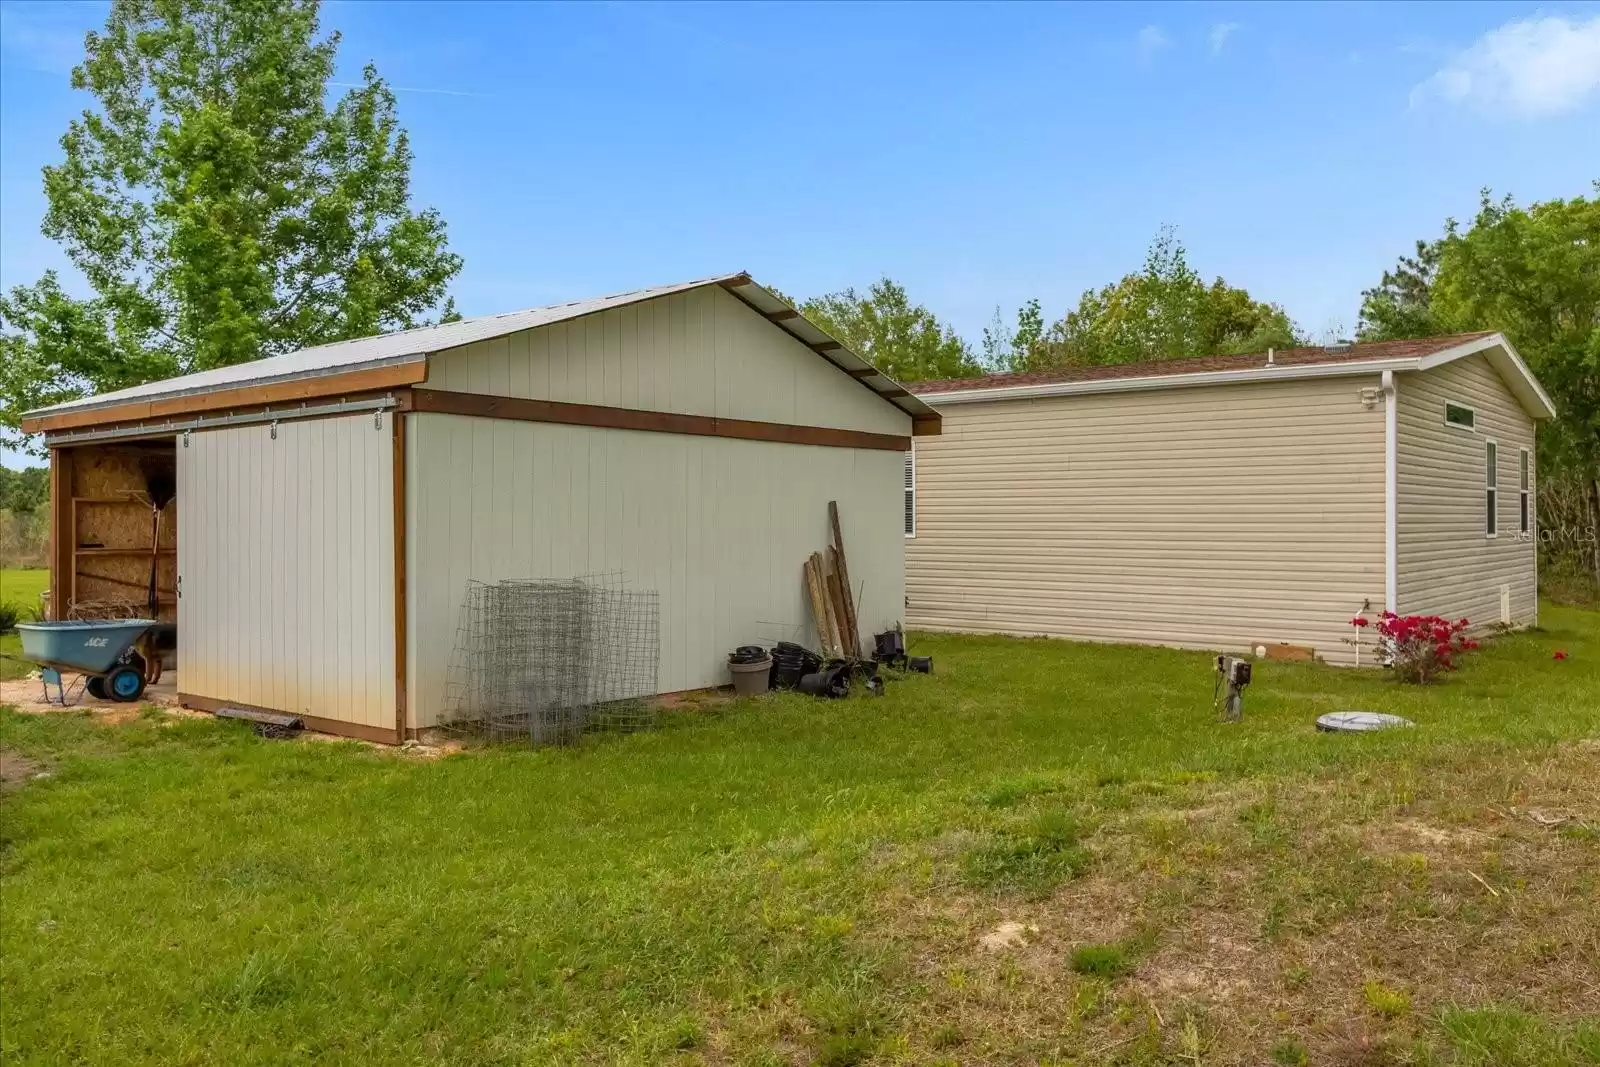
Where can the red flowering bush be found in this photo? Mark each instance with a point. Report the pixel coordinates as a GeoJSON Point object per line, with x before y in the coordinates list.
{"type": "Point", "coordinates": [1421, 647]}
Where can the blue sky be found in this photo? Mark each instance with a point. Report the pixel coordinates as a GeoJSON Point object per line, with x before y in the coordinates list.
{"type": "Point", "coordinates": [981, 155]}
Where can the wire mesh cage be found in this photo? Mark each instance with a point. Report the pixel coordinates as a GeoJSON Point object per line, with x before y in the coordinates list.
{"type": "Point", "coordinates": [541, 661]}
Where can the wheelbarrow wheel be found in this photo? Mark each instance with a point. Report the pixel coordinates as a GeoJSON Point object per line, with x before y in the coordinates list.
{"type": "Point", "coordinates": [125, 684]}
{"type": "Point", "coordinates": [96, 687]}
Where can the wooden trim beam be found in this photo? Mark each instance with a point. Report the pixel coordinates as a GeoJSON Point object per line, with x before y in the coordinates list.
{"type": "Point", "coordinates": [824, 347]}
{"type": "Point", "coordinates": [895, 392]}
{"type": "Point", "coordinates": [358, 731]}
{"type": "Point", "coordinates": [373, 379]}
{"type": "Point", "coordinates": [400, 621]}
{"type": "Point", "coordinates": [926, 426]}
{"type": "Point", "coordinates": [287, 413]}
{"type": "Point", "coordinates": [63, 560]}
{"type": "Point", "coordinates": [483, 406]}
{"type": "Point", "coordinates": [781, 316]}
{"type": "Point", "coordinates": [864, 372]}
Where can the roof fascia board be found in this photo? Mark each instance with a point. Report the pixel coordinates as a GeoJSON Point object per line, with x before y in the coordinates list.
{"type": "Point", "coordinates": [833, 350]}
{"type": "Point", "coordinates": [1542, 407]}
{"type": "Point", "coordinates": [1171, 381]}
{"type": "Point", "coordinates": [52, 415]}
{"type": "Point", "coordinates": [244, 397]}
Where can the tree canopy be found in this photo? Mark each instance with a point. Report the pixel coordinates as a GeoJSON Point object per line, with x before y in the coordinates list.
{"type": "Point", "coordinates": [904, 340]}
{"type": "Point", "coordinates": [217, 207]}
{"type": "Point", "coordinates": [1534, 274]}
{"type": "Point", "coordinates": [1010, 348]}
{"type": "Point", "coordinates": [1163, 311]}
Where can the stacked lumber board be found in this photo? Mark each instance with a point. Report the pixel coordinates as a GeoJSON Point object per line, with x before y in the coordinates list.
{"type": "Point", "coordinates": [827, 577]}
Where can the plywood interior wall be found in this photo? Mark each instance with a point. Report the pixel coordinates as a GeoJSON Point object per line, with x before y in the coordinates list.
{"type": "Point", "coordinates": [111, 526]}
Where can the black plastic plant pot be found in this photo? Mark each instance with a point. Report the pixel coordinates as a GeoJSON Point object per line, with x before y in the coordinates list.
{"type": "Point", "coordinates": [921, 664]}
{"type": "Point", "coordinates": [832, 683]}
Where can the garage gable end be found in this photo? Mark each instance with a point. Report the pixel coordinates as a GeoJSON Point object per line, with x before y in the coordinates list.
{"type": "Point", "coordinates": [700, 352]}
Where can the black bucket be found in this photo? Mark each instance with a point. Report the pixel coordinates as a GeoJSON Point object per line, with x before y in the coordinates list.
{"type": "Point", "coordinates": [791, 662]}
{"type": "Point", "coordinates": [889, 645]}
{"type": "Point", "coordinates": [921, 664]}
{"type": "Point", "coordinates": [832, 682]}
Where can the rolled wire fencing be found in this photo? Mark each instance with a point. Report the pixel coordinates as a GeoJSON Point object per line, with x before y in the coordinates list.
{"type": "Point", "coordinates": [542, 661]}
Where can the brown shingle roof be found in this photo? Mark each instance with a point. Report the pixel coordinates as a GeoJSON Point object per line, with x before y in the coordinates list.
{"type": "Point", "coordinates": [1287, 357]}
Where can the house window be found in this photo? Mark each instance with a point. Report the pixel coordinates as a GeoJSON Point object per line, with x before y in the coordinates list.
{"type": "Point", "coordinates": [1491, 521]}
{"type": "Point", "coordinates": [1524, 516]}
{"type": "Point", "coordinates": [1460, 415]}
{"type": "Point", "coordinates": [911, 493]}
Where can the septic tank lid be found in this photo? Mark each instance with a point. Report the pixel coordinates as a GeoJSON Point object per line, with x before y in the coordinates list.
{"type": "Point", "coordinates": [1355, 722]}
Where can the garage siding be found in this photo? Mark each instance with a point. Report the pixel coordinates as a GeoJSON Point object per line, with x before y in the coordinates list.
{"type": "Point", "coordinates": [1209, 517]}
{"type": "Point", "coordinates": [1446, 563]}
{"type": "Point", "coordinates": [718, 527]}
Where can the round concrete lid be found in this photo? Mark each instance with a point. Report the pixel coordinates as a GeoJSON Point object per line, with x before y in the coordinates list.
{"type": "Point", "coordinates": [1347, 722]}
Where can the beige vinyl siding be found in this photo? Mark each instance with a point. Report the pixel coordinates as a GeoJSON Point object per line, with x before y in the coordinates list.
{"type": "Point", "coordinates": [286, 557]}
{"type": "Point", "coordinates": [718, 527]}
{"type": "Point", "coordinates": [702, 352]}
{"type": "Point", "coordinates": [1446, 564]}
{"type": "Point", "coordinates": [1209, 517]}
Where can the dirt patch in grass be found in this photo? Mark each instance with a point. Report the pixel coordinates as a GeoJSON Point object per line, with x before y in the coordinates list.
{"type": "Point", "coordinates": [15, 770]}
{"type": "Point", "coordinates": [1340, 920]}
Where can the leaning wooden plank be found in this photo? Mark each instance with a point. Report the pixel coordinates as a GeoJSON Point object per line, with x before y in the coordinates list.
{"type": "Point", "coordinates": [852, 624]}
{"type": "Point", "coordinates": [819, 602]}
{"type": "Point", "coordinates": [836, 627]}
{"type": "Point", "coordinates": [836, 597]}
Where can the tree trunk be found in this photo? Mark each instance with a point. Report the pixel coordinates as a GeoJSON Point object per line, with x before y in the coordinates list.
{"type": "Point", "coordinates": [1594, 527]}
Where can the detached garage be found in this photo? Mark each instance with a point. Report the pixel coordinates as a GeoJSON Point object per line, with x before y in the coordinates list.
{"type": "Point", "coordinates": [1231, 502]}
{"type": "Point", "coordinates": [337, 502]}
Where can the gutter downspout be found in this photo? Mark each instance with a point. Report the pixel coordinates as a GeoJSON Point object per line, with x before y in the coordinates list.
{"type": "Point", "coordinates": [1391, 494]}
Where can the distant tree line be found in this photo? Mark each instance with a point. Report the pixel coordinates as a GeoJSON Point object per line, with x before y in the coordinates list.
{"type": "Point", "coordinates": [24, 516]}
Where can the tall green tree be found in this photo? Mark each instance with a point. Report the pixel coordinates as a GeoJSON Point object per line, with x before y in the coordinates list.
{"type": "Point", "coordinates": [904, 340]}
{"type": "Point", "coordinates": [1534, 274]}
{"type": "Point", "coordinates": [1010, 348]}
{"type": "Point", "coordinates": [1164, 311]}
{"type": "Point", "coordinates": [218, 207]}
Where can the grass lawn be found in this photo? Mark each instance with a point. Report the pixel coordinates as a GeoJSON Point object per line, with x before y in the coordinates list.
{"type": "Point", "coordinates": [1046, 853]}
{"type": "Point", "coordinates": [22, 588]}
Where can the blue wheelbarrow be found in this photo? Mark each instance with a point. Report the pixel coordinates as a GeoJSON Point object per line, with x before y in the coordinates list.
{"type": "Point", "coordinates": [105, 652]}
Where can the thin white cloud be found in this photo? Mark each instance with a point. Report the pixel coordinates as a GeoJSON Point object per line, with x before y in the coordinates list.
{"type": "Point", "coordinates": [1218, 37]}
{"type": "Point", "coordinates": [1530, 67]}
{"type": "Point", "coordinates": [1152, 40]}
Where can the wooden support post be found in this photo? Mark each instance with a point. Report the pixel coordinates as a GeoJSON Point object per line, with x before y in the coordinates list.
{"type": "Point", "coordinates": [62, 537]}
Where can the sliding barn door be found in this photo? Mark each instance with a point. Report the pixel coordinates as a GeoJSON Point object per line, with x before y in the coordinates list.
{"type": "Point", "coordinates": [286, 568]}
